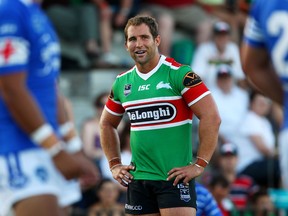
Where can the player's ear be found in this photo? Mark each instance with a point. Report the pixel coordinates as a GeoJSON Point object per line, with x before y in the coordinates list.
{"type": "Point", "coordinates": [157, 40]}
{"type": "Point", "coordinates": [126, 47]}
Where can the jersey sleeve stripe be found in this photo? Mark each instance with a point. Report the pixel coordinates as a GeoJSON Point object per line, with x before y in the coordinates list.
{"type": "Point", "coordinates": [193, 94]}
{"type": "Point", "coordinates": [113, 113]}
{"type": "Point", "coordinates": [114, 107]}
{"type": "Point", "coordinates": [253, 34]}
{"type": "Point", "coordinates": [199, 98]}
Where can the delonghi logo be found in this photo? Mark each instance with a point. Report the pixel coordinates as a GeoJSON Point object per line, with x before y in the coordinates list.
{"type": "Point", "coordinates": [152, 113]}
{"type": "Point", "coordinates": [133, 208]}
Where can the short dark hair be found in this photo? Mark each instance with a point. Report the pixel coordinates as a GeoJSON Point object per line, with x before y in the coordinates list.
{"type": "Point", "coordinates": [218, 179]}
{"type": "Point", "coordinates": [140, 19]}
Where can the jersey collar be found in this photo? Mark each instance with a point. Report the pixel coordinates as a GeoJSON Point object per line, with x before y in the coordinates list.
{"type": "Point", "coordinates": [150, 73]}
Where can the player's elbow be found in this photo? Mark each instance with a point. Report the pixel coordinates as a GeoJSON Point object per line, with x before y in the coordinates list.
{"type": "Point", "coordinates": [217, 119]}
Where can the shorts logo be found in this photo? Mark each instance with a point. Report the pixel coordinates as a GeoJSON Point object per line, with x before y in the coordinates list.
{"type": "Point", "coordinates": [133, 208]}
{"type": "Point", "coordinates": [127, 89]}
{"type": "Point", "coordinates": [184, 192]}
{"type": "Point", "coordinates": [191, 79]}
{"type": "Point", "coordinates": [151, 113]}
{"type": "Point", "coordinates": [42, 174]}
{"type": "Point", "coordinates": [17, 179]}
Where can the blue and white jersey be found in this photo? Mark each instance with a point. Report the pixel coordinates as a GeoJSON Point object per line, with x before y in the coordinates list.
{"type": "Point", "coordinates": [28, 44]}
{"type": "Point", "coordinates": [206, 204]}
{"type": "Point", "coordinates": [267, 26]}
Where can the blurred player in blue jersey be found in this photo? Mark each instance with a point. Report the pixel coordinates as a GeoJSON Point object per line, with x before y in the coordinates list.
{"type": "Point", "coordinates": [265, 60]}
{"type": "Point", "coordinates": [35, 163]}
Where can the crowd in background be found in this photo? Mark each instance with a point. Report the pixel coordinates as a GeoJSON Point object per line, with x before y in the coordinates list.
{"type": "Point", "coordinates": [245, 164]}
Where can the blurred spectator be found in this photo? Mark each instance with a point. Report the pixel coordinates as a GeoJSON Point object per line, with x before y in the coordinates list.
{"type": "Point", "coordinates": [219, 186]}
{"type": "Point", "coordinates": [220, 50]}
{"type": "Point", "coordinates": [261, 203]}
{"type": "Point", "coordinates": [90, 131]}
{"type": "Point", "coordinates": [75, 22]}
{"type": "Point", "coordinates": [230, 11]}
{"type": "Point", "coordinates": [230, 99]}
{"type": "Point", "coordinates": [186, 14]}
{"type": "Point", "coordinates": [113, 15]}
{"type": "Point", "coordinates": [206, 204]}
{"type": "Point", "coordinates": [256, 144]}
{"type": "Point", "coordinates": [107, 204]}
{"type": "Point", "coordinates": [242, 186]}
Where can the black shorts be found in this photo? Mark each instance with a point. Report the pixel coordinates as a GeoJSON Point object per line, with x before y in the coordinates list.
{"type": "Point", "coordinates": [147, 197]}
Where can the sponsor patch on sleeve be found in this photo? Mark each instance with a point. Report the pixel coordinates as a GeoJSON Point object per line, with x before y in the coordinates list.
{"type": "Point", "coordinates": [191, 79]}
{"type": "Point", "coordinates": [13, 51]}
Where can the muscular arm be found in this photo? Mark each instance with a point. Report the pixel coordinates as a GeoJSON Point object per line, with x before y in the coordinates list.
{"type": "Point", "coordinates": [258, 68]}
{"type": "Point", "coordinates": [207, 112]}
{"type": "Point", "coordinates": [22, 105]}
{"type": "Point", "coordinates": [111, 146]}
{"type": "Point", "coordinates": [109, 136]}
{"type": "Point", "coordinates": [65, 114]}
{"type": "Point", "coordinates": [209, 122]}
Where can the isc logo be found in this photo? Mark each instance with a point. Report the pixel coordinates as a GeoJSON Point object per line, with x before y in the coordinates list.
{"type": "Point", "coordinates": [143, 87]}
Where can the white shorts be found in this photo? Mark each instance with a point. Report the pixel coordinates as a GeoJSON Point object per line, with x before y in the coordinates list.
{"type": "Point", "coordinates": [283, 156]}
{"type": "Point", "coordinates": [32, 172]}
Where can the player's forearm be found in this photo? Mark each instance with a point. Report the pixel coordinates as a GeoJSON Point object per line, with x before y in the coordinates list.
{"type": "Point", "coordinates": [266, 81]}
{"type": "Point", "coordinates": [27, 115]}
{"type": "Point", "coordinates": [109, 141]}
{"type": "Point", "coordinates": [62, 112]}
{"type": "Point", "coordinates": [67, 129]}
{"type": "Point", "coordinates": [23, 108]}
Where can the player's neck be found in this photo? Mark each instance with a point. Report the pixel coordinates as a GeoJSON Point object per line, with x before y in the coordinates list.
{"type": "Point", "coordinates": [149, 66]}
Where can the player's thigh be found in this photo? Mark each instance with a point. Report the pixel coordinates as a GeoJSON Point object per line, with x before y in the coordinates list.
{"type": "Point", "coordinates": [179, 211]}
{"type": "Point", "coordinates": [44, 205]}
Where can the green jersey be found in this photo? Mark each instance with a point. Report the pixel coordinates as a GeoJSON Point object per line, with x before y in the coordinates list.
{"type": "Point", "coordinates": [158, 105]}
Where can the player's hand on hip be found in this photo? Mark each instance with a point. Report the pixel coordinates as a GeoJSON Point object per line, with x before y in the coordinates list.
{"type": "Point", "coordinates": [122, 175]}
{"type": "Point", "coordinates": [184, 174]}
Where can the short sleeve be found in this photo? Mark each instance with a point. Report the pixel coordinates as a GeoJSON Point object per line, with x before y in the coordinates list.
{"type": "Point", "coordinates": [113, 104]}
{"type": "Point", "coordinates": [189, 84]}
{"type": "Point", "coordinates": [14, 46]}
